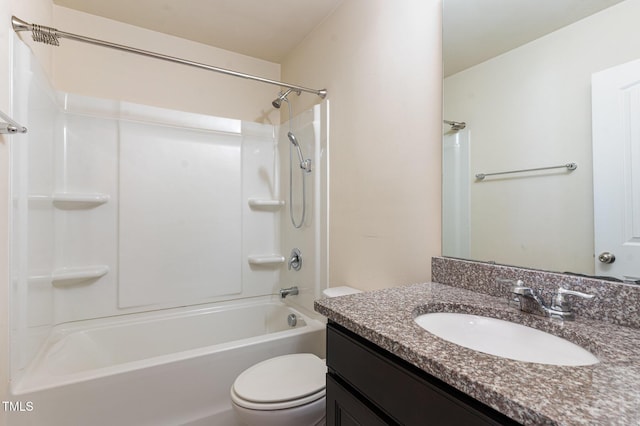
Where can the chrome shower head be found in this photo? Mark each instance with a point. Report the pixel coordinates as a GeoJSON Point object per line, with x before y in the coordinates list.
{"type": "Point", "coordinates": [293, 139]}
{"type": "Point", "coordinates": [277, 103]}
{"type": "Point", "coordinates": [282, 96]}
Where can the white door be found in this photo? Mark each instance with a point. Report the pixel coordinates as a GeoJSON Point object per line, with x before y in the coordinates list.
{"type": "Point", "coordinates": [616, 170]}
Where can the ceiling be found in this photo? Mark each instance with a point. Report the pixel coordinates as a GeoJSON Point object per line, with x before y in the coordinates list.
{"type": "Point", "coordinates": [259, 28]}
{"type": "Point", "coordinates": [474, 30]}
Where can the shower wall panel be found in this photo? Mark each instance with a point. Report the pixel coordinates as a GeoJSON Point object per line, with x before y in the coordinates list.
{"type": "Point", "coordinates": [456, 194]}
{"type": "Point", "coordinates": [260, 224]}
{"type": "Point", "coordinates": [85, 210]}
{"type": "Point", "coordinates": [311, 130]}
{"type": "Point", "coordinates": [158, 214]}
{"type": "Point", "coordinates": [121, 208]}
{"type": "Point", "coordinates": [32, 215]}
{"type": "Point", "coordinates": [179, 215]}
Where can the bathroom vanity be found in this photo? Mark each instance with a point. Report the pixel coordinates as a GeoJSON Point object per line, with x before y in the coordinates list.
{"type": "Point", "coordinates": [383, 368]}
{"type": "Point", "coordinates": [370, 386]}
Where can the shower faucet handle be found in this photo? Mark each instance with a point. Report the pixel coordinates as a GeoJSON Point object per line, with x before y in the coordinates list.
{"type": "Point", "coordinates": [295, 260]}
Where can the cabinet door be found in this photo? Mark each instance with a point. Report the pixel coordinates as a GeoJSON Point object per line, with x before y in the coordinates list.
{"type": "Point", "coordinates": [345, 409]}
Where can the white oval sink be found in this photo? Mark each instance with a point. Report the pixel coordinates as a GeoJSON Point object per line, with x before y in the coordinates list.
{"type": "Point", "coordinates": [505, 339]}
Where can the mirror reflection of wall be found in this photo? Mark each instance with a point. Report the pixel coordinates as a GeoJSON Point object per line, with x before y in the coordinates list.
{"type": "Point", "coordinates": [531, 107]}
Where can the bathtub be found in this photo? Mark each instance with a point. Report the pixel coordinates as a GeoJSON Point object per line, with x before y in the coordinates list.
{"type": "Point", "coordinates": [172, 367]}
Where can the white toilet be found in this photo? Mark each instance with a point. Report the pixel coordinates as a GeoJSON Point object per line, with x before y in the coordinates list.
{"type": "Point", "coordinates": [287, 390]}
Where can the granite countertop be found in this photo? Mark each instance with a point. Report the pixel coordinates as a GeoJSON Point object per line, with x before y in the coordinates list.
{"type": "Point", "coordinates": [606, 393]}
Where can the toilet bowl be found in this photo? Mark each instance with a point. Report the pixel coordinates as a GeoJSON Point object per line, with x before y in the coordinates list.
{"type": "Point", "coordinates": [287, 390]}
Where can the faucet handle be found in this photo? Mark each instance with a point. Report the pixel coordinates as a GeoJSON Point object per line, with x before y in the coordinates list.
{"type": "Point", "coordinates": [514, 300]}
{"type": "Point", "coordinates": [512, 283]}
{"type": "Point", "coordinates": [559, 302]}
{"type": "Point", "coordinates": [295, 259]}
{"type": "Point", "coordinates": [575, 293]}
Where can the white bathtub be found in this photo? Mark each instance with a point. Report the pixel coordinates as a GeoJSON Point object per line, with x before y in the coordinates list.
{"type": "Point", "coordinates": [166, 368]}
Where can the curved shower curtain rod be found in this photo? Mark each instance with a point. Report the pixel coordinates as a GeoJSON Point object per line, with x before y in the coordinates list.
{"type": "Point", "coordinates": [48, 35]}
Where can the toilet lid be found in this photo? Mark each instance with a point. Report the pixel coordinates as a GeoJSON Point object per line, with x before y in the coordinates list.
{"type": "Point", "coordinates": [283, 378]}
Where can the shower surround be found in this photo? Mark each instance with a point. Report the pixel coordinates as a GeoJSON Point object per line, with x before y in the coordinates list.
{"type": "Point", "coordinates": [125, 212]}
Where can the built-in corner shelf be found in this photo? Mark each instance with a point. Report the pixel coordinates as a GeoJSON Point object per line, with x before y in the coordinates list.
{"type": "Point", "coordinates": [69, 276]}
{"type": "Point", "coordinates": [269, 259]}
{"type": "Point", "coordinates": [72, 201]}
{"type": "Point", "coordinates": [265, 204]}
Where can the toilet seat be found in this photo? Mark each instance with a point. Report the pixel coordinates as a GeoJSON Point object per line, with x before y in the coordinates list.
{"type": "Point", "coordinates": [282, 382]}
{"type": "Point", "coordinates": [276, 405]}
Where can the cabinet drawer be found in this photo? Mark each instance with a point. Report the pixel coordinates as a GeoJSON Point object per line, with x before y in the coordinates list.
{"type": "Point", "coordinates": [403, 392]}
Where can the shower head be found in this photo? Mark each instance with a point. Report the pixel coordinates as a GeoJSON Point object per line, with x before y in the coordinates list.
{"type": "Point", "coordinates": [282, 96]}
{"type": "Point", "coordinates": [293, 139]}
{"type": "Point", "coordinates": [277, 103]}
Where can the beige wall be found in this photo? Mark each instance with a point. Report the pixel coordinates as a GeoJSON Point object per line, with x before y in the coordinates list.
{"type": "Point", "coordinates": [107, 73]}
{"type": "Point", "coordinates": [531, 107]}
{"type": "Point", "coordinates": [381, 63]}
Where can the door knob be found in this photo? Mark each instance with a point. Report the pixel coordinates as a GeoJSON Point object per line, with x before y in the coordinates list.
{"type": "Point", "coordinates": [606, 257]}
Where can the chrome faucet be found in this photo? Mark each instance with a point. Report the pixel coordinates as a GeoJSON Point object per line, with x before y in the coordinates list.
{"type": "Point", "coordinates": [284, 292]}
{"type": "Point", "coordinates": [295, 259]}
{"type": "Point", "coordinates": [560, 307]}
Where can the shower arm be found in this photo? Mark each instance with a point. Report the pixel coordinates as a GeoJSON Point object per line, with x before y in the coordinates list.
{"type": "Point", "coordinates": [50, 36]}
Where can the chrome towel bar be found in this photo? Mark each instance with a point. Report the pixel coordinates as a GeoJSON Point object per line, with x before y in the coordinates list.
{"type": "Point", "coordinates": [568, 166]}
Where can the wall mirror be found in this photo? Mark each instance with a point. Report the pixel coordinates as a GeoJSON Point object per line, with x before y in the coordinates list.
{"type": "Point", "coordinates": [518, 74]}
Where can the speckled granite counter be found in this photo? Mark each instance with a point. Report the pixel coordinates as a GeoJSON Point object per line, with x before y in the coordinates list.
{"type": "Point", "coordinates": [607, 393]}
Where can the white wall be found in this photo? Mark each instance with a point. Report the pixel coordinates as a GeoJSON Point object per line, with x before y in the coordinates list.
{"type": "Point", "coordinates": [381, 63]}
{"type": "Point", "coordinates": [531, 107]}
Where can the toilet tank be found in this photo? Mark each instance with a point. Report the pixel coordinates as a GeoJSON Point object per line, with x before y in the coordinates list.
{"type": "Point", "coordinates": [339, 291]}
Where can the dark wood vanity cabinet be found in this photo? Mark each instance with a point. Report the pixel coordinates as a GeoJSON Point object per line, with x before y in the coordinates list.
{"type": "Point", "coordinates": [368, 386]}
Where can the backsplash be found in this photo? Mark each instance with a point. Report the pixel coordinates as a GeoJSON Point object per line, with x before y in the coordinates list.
{"type": "Point", "coordinates": [614, 302]}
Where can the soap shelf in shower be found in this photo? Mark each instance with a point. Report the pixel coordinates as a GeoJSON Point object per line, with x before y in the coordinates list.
{"type": "Point", "coordinates": [71, 201]}
{"type": "Point", "coordinates": [270, 259]}
{"type": "Point", "coordinates": [265, 204]}
{"type": "Point", "coordinates": [73, 275]}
